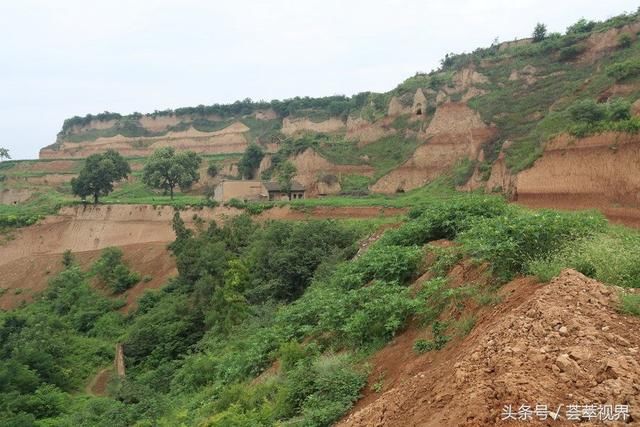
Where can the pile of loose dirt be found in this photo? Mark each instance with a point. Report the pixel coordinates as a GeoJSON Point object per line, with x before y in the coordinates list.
{"type": "Point", "coordinates": [559, 344]}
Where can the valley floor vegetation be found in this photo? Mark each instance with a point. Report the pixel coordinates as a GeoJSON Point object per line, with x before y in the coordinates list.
{"type": "Point", "coordinates": [273, 323]}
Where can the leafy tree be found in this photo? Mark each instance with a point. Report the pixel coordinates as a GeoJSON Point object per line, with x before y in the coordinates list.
{"type": "Point", "coordinates": [67, 259]}
{"type": "Point", "coordinates": [212, 170]}
{"type": "Point", "coordinates": [167, 169]}
{"type": "Point", "coordinates": [284, 256]}
{"type": "Point", "coordinates": [99, 173]}
{"type": "Point", "coordinates": [581, 27]}
{"type": "Point", "coordinates": [4, 153]}
{"type": "Point", "coordinates": [250, 161]}
{"type": "Point", "coordinates": [539, 32]}
{"type": "Point", "coordinates": [286, 173]}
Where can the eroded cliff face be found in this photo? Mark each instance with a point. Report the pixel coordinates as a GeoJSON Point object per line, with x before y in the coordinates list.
{"type": "Point", "coordinates": [455, 132]}
{"type": "Point", "coordinates": [321, 176]}
{"type": "Point", "coordinates": [230, 139]}
{"type": "Point", "coordinates": [461, 112]}
{"type": "Point", "coordinates": [600, 171]}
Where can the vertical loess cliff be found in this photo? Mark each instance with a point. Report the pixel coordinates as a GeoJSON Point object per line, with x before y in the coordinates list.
{"type": "Point", "coordinates": [455, 132]}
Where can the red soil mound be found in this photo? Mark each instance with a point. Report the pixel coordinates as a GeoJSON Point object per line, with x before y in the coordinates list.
{"type": "Point", "coordinates": [559, 344]}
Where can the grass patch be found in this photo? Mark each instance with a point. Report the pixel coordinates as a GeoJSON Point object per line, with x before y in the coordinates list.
{"type": "Point", "coordinates": [611, 257]}
{"type": "Point", "coordinates": [630, 304]}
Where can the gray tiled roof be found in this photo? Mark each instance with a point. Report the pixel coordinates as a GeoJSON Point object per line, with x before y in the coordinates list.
{"type": "Point", "coordinates": [275, 186]}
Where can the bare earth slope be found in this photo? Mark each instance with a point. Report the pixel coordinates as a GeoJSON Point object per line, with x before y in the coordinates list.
{"type": "Point", "coordinates": [34, 254]}
{"type": "Point", "coordinates": [561, 343]}
{"type": "Point", "coordinates": [599, 171]}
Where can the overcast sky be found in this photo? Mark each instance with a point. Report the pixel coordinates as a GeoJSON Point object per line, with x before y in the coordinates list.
{"type": "Point", "coordinates": [72, 57]}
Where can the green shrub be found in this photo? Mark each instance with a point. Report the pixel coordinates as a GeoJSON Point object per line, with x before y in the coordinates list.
{"type": "Point", "coordinates": [444, 219]}
{"type": "Point", "coordinates": [570, 52]}
{"type": "Point", "coordinates": [619, 110]}
{"type": "Point", "coordinates": [320, 391]}
{"type": "Point", "coordinates": [422, 346]}
{"type": "Point", "coordinates": [439, 339]}
{"type": "Point", "coordinates": [462, 171]}
{"type": "Point", "coordinates": [625, 40]}
{"type": "Point", "coordinates": [511, 241]}
{"type": "Point", "coordinates": [587, 111]}
{"type": "Point", "coordinates": [630, 304]}
{"type": "Point", "coordinates": [609, 257]}
{"type": "Point", "coordinates": [389, 263]}
{"type": "Point", "coordinates": [624, 70]}
{"type": "Point", "coordinates": [112, 272]}
{"type": "Point", "coordinates": [212, 169]}
{"type": "Point", "coordinates": [581, 27]}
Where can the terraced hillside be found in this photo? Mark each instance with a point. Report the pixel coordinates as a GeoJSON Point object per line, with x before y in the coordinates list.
{"type": "Point", "coordinates": [484, 117]}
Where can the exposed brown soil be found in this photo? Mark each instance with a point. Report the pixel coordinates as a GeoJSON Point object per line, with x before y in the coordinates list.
{"type": "Point", "coordinates": [228, 140]}
{"type": "Point", "coordinates": [26, 277]}
{"type": "Point", "coordinates": [291, 126]}
{"type": "Point", "coordinates": [59, 166]}
{"type": "Point", "coordinates": [143, 232]}
{"type": "Point", "coordinates": [98, 384]}
{"type": "Point", "coordinates": [455, 132]}
{"type": "Point", "coordinates": [329, 212]}
{"type": "Point", "coordinates": [561, 343]}
{"type": "Point", "coordinates": [596, 172]}
{"type": "Point", "coordinates": [312, 166]}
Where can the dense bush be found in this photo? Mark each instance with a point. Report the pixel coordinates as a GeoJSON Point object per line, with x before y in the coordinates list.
{"type": "Point", "coordinates": [284, 256]}
{"type": "Point", "coordinates": [512, 240]}
{"type": "Point", "coordinates": [389, 263]}
{"type": "Point", "coordinates": [112, 272]}
{"type": "Point", "coordinates": [624, 70]}
{"type": "Point", "coordinates": [445, 219]}
{"type": "Point", "coordinates": [48, 348]}
{"type": "Point", "coordinates": [570, 52]}
{"type": "Point", "coordinates": [582, 26]}
{"type": "Point", "coordinates": [610, 257]}
{"type": "Point", "coordinates": [588, 111]}
{"type": "Point", "coordinates": [18, 220]}
{"type": "Point", "coordinates": [625, 40]}
{"type": "Point", "coordinates": [590, 117]}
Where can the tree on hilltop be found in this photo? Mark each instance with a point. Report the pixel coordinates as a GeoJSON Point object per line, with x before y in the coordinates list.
{"type": "Point", "coordinates": [99, 173]}
{"type": "Point", "coordinates": [539, 32]}
{"type": "Point", "coordinates": [4, 153]}
{"type": "Point", "coordinates": [166, 169]}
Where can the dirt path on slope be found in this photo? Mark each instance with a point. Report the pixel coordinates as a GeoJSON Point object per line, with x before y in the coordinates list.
{"type": "Point", "coordinates": [561, 343]}
{"type": "Point", "coordinates": [98, 384]}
